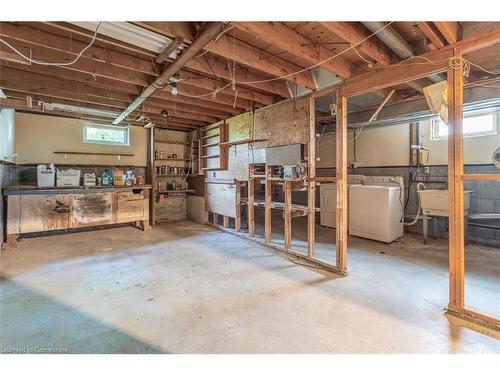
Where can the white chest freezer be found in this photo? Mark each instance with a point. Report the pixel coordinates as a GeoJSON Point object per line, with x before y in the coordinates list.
{"type": "Point", "coordinates": [376, 212]}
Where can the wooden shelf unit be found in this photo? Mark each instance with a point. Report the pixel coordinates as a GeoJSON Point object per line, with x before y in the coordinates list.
{"type": "Point", "coordinates": [206, 142]}
{"type": "Point", "coordinates": [181, 146]}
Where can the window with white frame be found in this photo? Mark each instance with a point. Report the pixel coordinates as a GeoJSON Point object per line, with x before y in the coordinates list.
{"type": "Point", "coordinates": [106, 134]}
{"type": "Point", "coordinates": [474, 125]}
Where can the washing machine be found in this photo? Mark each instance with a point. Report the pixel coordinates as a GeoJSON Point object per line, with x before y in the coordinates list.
{"type": "Point", "coordinates": [328, 200]}
{"type": "Point", "coordinates": [376, 208]}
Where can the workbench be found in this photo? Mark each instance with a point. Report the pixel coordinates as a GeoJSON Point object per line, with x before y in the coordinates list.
{"type": "Point", "coordinates": [32, 209]}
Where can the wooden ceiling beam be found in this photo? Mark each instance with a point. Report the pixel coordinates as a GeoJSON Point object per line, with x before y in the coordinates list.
{"type": "Point", "coordinates": [94, 67]}
{"type": "Point", "coordinates": [353, 33]}
{"type": "Point", "coordinates": [208, 33]}
{"type": "Point", "coordinates": [432, 33]}
{"type": "Point", "coordinates": [184, 103]}
{"type": "Point", "coordinates": [115, 80]}
{"type": "Point", "coordinates": [450, 31]}
{"type": "Point", "coordinates": [188, 90]}
{"type": "Point", "coordinates": [73, 47]}
{"type": "Point", "coordinates": [291, 41]}
{"type": "Point", "coordinates": [14, 75]}
{"type": "Point", "coordinates": [198, 103]}
{"type": "Point", "coordinates": [214, 66]}
{"type": "Point", "coordinates": [71, 75]}
{"type": "Point", "coordinates": [17, 100]}
{"type": "Point", "coordinates": [211, 65]}
{"type": "Point", "coordinates": [49, 88]}
{"type": "Point", "coordinates": [213, 84]}
{"type": "Point", "coordinates": [250, 56]}
{"type": "Point", "coordinates": [400, 73]}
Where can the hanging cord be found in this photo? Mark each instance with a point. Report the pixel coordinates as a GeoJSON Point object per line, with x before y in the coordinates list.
{"type": "Point", "coordinates": [39, 62]}
{"type": "Point", "coordinates": [420, 186]}
{"type": "Point", "coordinates": [234, 82]}
{"type": "Point", "coordinates": [318, 63]}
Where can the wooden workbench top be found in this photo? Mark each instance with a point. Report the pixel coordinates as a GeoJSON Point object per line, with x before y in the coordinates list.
{"type": "Point", "coordinates": [30, 189]}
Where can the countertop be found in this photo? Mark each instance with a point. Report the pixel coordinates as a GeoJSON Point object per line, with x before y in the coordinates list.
{"type": "Point", "coordinates": [37, 190]}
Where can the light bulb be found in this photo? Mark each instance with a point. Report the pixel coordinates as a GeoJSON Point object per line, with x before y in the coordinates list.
{"type": "Point", "coordinates": [174, 90]}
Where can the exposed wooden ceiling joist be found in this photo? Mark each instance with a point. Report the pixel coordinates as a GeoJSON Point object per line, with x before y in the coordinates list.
{"type": "Point", "coordinates": [450, 31]}
{"type": "Point", "coordinates": [208, 33]}
{"type": "Point", "coordinates": [432, 33]}
{"type": "Point", "coordinates": [213, 84]}
{"type": "Point", "coordinates": [71, 48]}
{"type": "Point", "coordinates": [212, 65]}
{"type": "Point", "coordinates": [290, 40]}
{"type": "Point", "coordinates": [196, 105]}
{"type": "Point", "coordinates": [251, 56]}
{"type": "Point", "coordinates": [353, 33]}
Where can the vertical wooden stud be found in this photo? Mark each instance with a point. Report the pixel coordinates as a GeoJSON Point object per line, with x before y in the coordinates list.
{"type": "Point", "coordinates": [216, 218]}
{"type": "Point", "coordinates": [237, 219]}
{"type": "Point", "coordinates": [205, 214]}
{"type": "Point", "coordinates": [341, 179]}
{"type": "Point", "coordinates": [288, 214]}
{"type": "Point", "coordinates": [201, 160]}
{"type": "Point", "coordinates": [223, 149]}
{"type": "Point", "coordinates": [225, 221]}
{"type": "Point", "coordinates": [267, 208]}
{"type": "Point", "coordinates": [311, 188]}
{"type": "Point", "coordinates": [455, 187]}
{"type": "Point", "coordinates": [151, 174]}
{"type": "Point", "coordinates": [250, 207]}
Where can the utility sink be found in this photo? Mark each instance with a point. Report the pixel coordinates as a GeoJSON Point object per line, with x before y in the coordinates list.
{"type": "Point", "coordinates": [435, 202]}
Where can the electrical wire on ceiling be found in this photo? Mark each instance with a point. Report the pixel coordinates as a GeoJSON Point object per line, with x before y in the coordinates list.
{"type": "Point", "coordinates": [39, 62]}
{"type": "Point", "coordinates": [234, 81]}
{"type": "Point", "coordinates": [454, 62]}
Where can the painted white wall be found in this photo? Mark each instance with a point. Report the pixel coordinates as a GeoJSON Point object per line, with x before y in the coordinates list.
{"type": "Point", "coordinates": [7, 138]}
{"type": "Point", "coordinates": [477, 150]}
{"type": "Point", "coordinates": [38, 136]}
{"type": "Point", "coordinates": [388, 146]}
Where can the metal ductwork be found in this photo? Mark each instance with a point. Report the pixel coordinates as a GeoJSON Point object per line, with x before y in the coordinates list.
{"type": "Point", "coordinates": [395, 42]}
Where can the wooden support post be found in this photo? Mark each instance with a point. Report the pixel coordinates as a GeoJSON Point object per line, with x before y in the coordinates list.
{"type": "Point", "coordinates": [311, 189]}
{"type": "Point", "coordinates": [267, 208]}
{"type": "Point", "coordinates": [288, 214]}
{"type": "Point", "coordinates": [341, 177]}
{"type": "Point", "coordinates": [151, 174]}
{"type": "Point", "coordinates": [205, 214]}
{"type": "Point", "coordinates": [216, 218]}
{"type": "Point", "coordinates": [250, 205]}
{"type": "Point", "coordinates": [225, 221]}
{"type": "Point", "coordinates": [237, 219]}
{"type": "Point", "coordinates": [456, 187]}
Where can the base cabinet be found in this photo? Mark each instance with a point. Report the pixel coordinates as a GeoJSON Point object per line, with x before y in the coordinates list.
{"type": "Point", "coordinates": [41, 213]}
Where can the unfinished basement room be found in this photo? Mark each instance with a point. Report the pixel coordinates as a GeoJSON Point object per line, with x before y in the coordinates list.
{"type": "Point", "coordinates": [249, 187]}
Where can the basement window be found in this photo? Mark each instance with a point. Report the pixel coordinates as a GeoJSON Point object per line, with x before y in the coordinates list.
{"type": "Point", "coordinates": [474, 125]}
{"type": "Point", "coordinates": [106, 134]}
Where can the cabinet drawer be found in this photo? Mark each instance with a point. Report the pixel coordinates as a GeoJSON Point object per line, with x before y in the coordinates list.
{"type": "Point", "coordinates": [130, 209]}
{"type": "Point", "coordinates": [92, 209]}
{"type": "Point", "coordinates": [44, 212]}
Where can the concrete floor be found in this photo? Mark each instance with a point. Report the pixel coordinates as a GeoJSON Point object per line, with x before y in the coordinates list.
{"type": "Point", "coordinates": [187, 288]}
